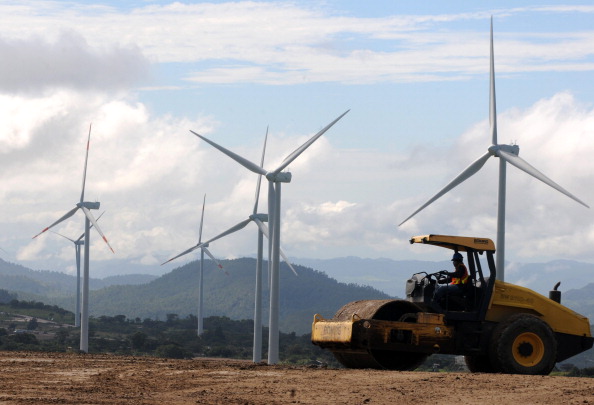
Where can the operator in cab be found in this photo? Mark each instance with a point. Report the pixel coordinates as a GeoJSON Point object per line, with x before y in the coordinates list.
{"type": "Point", "coordinates": [457, 280]}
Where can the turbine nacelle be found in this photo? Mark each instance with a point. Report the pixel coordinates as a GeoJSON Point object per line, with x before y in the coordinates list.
{"type": "Point", "coordinates": [512, 149]}
{"type": "Point", "coordinates": [89, 205]}
{"type": "Point", "coordinates": [281, 177]}
{"type": "Point", "coordinates": [260, 217]}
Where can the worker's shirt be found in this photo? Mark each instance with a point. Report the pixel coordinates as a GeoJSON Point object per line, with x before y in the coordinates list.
{"type": "Point", "coordinates": [460, 275]}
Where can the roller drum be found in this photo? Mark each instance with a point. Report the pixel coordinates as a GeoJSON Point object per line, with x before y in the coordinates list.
{"type": "Point", "coordinates": [385, 310]}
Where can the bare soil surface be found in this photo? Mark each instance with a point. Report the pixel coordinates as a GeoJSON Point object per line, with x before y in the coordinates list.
{"type": "Point", "coordinates": [57, 378]}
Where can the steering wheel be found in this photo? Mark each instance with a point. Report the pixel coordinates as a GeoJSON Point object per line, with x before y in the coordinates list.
{"type": "Point", "coordinates": [442, 277]}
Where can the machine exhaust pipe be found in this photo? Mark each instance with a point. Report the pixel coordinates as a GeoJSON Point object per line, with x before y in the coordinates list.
{"type": "Point", "coordinates": [554, 294]}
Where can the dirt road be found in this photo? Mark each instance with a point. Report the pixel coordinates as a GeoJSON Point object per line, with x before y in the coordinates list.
{"type": "Point", "coordinates": [47, 378]}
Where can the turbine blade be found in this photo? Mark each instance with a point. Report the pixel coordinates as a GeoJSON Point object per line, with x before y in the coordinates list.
{"type": "Point", "coordinates": [202, 219]}
{"type": "Point", "coordinates": [260, 176]}
{"type": "Point", "coordinates": [235, 228]}
{"type": "Point", "coordinates": [83, 234]}
{"type": "Point", "coordinates": [100, 215]}
{"type": "Point", "coordinates": [185, 252]}
{"type": "Point", "coordinates": [466, 173]}
{"type": "Point", "coordinates": [82, 194]}
{"type": "Point", "coordinates": [262, 226]}
{"type": "Point", "coordinates": [65, 237]}
{"type": "Point", "coordinates": [306, 145]}
{"type": "Point", "coordinates": [264, 230]}
{"type": "Point", "coordinates": [242, 161]}
{"type": "Point", "coordinates": [96, 225]}
{"type": "Point", "coordinates": [492, 104]}
{"type": "Point", "coordinates": [286, 259]}
{"type": "Point", "coordinates": [212, 257]}
{"type": "Point", "coordinates": [64, 217]}
{"type": "Point", "coordinates": [531, 170]}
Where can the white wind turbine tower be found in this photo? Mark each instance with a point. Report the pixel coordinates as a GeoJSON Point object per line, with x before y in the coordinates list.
{"type": "Point", "coordinates": [203, 249]}
{"type": "Point", "coordinates": [85, 206]}
{"type": "Point", "coordinates": [506, 154]}
{"type": "Point", "coordinates": [77, 244]}
{"type": "Point", "coordinates": [259, 220]}
{"type": "Point", "coordinates": [275, 178]}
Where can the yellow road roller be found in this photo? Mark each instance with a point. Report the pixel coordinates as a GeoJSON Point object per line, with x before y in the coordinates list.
{"type": "Point", "coordinates": [498, 327]}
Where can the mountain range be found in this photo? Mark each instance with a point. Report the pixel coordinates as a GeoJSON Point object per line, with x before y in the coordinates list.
{"type": "Point", "coordinates": [226, 293]}
{"type": "Point", "coordinates": [230, 293]}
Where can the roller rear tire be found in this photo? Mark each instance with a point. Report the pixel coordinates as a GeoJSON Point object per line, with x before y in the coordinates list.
{"type": "Point", "coordinates": [480, 364]}
{"type": "Point", "coordinates": [524, 344]}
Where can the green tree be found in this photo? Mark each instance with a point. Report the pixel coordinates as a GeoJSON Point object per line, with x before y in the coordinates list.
{"type": "Point", "coordinates": [61, 335]}
{"type": "Point", "coordinates": [172, 351]}
{"type": "Point", "coordinates": [32, 324]}
{"type": "Point", "coordinates": [120, 318]}
{"type": "Point", "coordinates": [138, 339]}
{"type": "Point", "coordinates": [6, 297]}
{"type": "Point", "coordinates": [25, 339]}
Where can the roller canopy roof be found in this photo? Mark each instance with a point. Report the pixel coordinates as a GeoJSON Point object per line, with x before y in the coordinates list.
{"type": "Point", "coordinates": [458, 243]}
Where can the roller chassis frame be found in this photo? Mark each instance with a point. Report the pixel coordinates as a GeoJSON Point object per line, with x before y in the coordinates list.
{"type": "Point", "coordinates": [428, 334]}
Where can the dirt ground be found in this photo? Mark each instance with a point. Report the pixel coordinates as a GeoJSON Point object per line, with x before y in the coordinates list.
{"type": "Point", "coordinates": [50, 378]}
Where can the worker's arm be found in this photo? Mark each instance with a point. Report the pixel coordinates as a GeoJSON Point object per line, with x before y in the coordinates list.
{"type": "Point", "coordinates": [460, 272]}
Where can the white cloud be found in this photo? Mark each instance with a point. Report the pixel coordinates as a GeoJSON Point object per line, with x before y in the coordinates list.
{"type": "Point", "coordinates": [33, 251]}
{"type": "Point", "coordinates": [273, 43]}
{"type": "Point", "coordinates": [35, 64]}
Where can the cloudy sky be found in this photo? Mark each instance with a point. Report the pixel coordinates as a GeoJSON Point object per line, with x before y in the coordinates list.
{"type": "Point", "coordinates": [414, 75]}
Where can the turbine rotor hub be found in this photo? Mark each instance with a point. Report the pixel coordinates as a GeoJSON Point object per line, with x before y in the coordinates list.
{"type": "Point", "coordinates": [282, 177]}
{"type": "Point", "coordinates": [512, 149]}
{"type": "Point", "coordinates": [261, 217]}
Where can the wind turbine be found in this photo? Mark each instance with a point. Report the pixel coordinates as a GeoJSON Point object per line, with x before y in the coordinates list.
{"type": "Point", "coordinates": [506, 154]}
{"type": "Point", "coordinates": [77, 244]}
{"type": "Point", "coordinates": [275, 178]}
{"type": "Point", "coordinates": [85, 206]}
{"type": "Point", "coordinates": [203, 249]}
{"type": "Point", "coordinates": [258, 219]}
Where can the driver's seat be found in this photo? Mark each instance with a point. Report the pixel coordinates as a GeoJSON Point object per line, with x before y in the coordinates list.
{"type": "Point", "coordinates": [462, 300]}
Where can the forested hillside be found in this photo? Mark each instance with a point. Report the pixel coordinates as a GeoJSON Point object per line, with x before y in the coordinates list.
{"type": "Point", "coordinates": [25, 281]}
{"type": "Point", "coordinates": [228, 292]}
